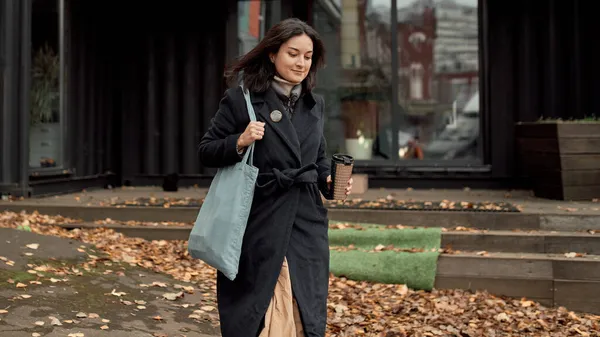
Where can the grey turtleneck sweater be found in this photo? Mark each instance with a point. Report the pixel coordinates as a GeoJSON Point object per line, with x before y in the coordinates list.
{"type": "Point", "coordinates": [288, 92]}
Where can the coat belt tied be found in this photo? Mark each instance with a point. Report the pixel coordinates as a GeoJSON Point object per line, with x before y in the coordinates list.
{"type": "Point", "coordinates": [287, 178]}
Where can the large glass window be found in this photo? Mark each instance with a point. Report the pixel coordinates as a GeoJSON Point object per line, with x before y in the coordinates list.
{"type": "Point", "coordinates": [436, 115]}
{"type": "Point", "coordinates": [356, 82]}
{"type": "Point", "coordinates": [438, 79]}
{"type": "Point", "coordinates": [45, 133]}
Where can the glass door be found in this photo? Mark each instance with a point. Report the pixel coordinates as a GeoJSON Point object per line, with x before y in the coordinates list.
{"type": "Point", "coordinates": [46, 113]}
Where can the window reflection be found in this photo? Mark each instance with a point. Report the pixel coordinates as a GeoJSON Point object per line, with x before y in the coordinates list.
{"type": "Point", "coordinates": [357, 80]}
{"type": "Point", "coordinates": [438, 77]}
{"type": "Point", "coordinates": [255, 17]}
{"type": "Point", "coordinates": [437, 113]}
{"type": "Point", "coordinates": [250, 24]}
{"type": "Point", "coordinates": [45, 140]}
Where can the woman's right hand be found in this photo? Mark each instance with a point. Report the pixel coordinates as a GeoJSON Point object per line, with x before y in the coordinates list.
{"type": "Point", "coordinates": [254, 131]}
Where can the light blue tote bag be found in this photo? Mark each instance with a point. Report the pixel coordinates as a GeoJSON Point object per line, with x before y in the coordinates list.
{"type": "Point", "coordinates": [216, 237]}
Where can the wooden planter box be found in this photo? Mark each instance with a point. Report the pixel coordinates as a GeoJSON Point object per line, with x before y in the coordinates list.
{"type": "Point", "coordinates": [561, 158]}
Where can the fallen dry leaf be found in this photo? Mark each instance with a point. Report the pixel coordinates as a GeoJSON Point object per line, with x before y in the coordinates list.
{"type": "Point", "coordinates": [54, 321]}
{"type": "Point", "coordinates": [354, 308]}
{"type": "Point", "coordinates": [526, 303]}
{"type": "Point", "coordinates": [207, 308]}
{"type": "Point", "coordinates": [104, 327]}
{"type": "Point", "coordinates": [159, 284]}
{"type": "Point", "coordinates": [173, 296]}
{"type": "Point", "coordinates": [33, 245]}
{"type": "Point", "coordinates": [188, 289]}
{"type": "Point", "coordinates": [117, 293]}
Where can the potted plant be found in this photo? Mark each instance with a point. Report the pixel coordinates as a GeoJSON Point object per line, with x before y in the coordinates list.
{"type": "Point", "coordinates": [561, 157]}
{"type": "Point", "coordinates": [44, 134]}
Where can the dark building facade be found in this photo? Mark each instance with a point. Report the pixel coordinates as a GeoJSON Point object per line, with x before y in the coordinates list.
{"type": "Point", "coordinates": [420, 92]}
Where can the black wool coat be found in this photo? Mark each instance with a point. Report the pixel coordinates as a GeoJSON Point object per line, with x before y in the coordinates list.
{"type": "Point", "coordinates": [287, 218]}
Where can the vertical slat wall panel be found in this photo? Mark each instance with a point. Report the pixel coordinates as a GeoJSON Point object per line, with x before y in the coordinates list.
{"type": "Point", "coordinates": [141, 96]}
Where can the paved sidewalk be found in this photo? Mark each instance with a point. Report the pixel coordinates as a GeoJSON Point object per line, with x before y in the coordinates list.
{"type": "Point", "coordinates": [52, 286]}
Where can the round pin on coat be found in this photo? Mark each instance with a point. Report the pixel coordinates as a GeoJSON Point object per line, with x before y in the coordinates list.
{"type": "Point", "coordinates": [276, 116]}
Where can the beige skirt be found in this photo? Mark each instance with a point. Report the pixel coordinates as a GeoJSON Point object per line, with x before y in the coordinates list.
{"type": "Point", "coordinates": [283, 317]}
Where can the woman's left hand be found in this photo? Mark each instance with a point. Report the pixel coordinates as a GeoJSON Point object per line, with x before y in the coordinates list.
{"type": "Point", "coordinates": [348, 188]}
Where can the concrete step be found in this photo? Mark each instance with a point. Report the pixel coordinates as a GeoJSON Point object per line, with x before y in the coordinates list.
{"type": "Point", "coordinates": [490, 241]}
{"type": "Point", "coordinates": [551, 279]}
{"type": "Point", "coordinates": [448, 219]}
{"type": "Point", "coordinates": [550, 242]}
{"type": "Point", "coordinates": [474, 220]}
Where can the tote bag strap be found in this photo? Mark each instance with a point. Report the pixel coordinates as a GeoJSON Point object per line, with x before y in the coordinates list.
{"type": "Point", "coordinates": [248, 157]}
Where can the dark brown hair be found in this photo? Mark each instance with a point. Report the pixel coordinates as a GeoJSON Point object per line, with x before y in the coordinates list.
{"type": "Point", "coordinates": [257, 69]}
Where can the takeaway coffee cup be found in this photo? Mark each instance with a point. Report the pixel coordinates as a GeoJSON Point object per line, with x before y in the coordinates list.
{"type": "Point", "coordinates": [341, 171]}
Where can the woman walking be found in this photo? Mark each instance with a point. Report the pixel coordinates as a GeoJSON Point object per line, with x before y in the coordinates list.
{"type": "Point", "coordinates": [282, 283]}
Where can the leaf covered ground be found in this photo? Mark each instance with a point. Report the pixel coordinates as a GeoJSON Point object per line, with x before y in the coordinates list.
{"type": "Point", "coordinates": [355, 308]}
{"type": "Point", "coordinates": [355, 203]}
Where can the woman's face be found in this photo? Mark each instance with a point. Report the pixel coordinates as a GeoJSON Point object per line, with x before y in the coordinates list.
{"type": "Point", "coordinates": [294, 58]}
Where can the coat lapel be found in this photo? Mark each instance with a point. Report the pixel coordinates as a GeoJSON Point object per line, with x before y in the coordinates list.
{"type": "Point", "coordinates": [305, 117]}
{"type": "Point", "coordinates": [284, 128]}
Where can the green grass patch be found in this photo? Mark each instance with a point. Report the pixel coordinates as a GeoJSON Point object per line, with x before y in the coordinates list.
{"type": "Point", "coordinates": [415, 269]}
{"type": "Point", "coordinates": [15, 275]}
{"type": "Point", "coordinates": [425, 238]}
